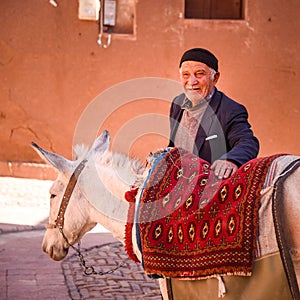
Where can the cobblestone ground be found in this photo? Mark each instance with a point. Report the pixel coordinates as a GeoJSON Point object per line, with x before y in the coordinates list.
{"type": "Point", "coordinates": [128, 282]}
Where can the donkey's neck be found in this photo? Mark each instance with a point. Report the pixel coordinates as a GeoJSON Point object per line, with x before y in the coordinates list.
{"type": "Point", "coordinates": [118, 172]}
{"type": "Point", "coordinates": [104, 183]}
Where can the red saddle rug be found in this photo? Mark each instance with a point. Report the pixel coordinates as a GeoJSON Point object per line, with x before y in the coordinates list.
{"type": "Point", "coordinates": [194, 226]}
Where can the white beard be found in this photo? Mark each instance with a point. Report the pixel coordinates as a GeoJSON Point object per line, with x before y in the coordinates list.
{"type": "Point", "coordinates": [194, 97]}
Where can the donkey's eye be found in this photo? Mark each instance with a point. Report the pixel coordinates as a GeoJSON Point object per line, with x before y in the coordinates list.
{"type": "Point", "coordinates": [52, 196]}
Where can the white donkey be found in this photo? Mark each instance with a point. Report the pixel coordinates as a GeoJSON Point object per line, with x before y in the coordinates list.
{"type": "Point", "coordinates": [95, 194]}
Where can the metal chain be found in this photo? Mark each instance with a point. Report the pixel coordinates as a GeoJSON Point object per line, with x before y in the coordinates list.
{"type": "Point", "coordinates": [89, 270]}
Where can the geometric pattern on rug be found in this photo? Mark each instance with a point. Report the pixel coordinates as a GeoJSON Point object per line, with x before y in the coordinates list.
{"type": "Point", "coordinates": [192, 225]}
{"type": "Point", "coordinates": [128, 283]}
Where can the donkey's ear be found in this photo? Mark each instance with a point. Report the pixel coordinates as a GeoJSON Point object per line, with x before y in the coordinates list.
{"type": "Point", "coordinates": [59, 162]}
{"type": "Point", "coordinates": [102, 143]}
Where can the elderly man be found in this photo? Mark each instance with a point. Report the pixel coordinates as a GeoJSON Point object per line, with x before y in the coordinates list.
{"type": "Point", "coordinates": [205, 121]}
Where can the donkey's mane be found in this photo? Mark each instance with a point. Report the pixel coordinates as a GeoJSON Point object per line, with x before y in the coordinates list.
{"type": "Point", "coordinates": [120, 160]}
{"type": "Point", "coordinates": [112, 159]}
{"type": "Point", "coordinates": [80, 151]}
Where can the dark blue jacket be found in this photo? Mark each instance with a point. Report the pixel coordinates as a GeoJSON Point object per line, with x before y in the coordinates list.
{"type": "Point", "coordinates": [224, 132]}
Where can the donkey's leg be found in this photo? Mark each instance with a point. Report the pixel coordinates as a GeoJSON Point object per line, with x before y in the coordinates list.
{"type": "Point", "coordinates": [291, 211]}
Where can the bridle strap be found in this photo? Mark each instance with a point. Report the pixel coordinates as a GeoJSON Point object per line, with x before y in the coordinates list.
{"type": "Point", "coordinates": [59, 222]}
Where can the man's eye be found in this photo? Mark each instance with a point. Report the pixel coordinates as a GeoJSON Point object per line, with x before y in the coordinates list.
{"type": "Point", "coordinates": [199, 74]}
{"type": "Point", "coordinates": [52, 196]}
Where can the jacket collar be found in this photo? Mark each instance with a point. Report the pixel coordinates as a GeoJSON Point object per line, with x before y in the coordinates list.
{"type": "Point", "coordinates": [207, 121]}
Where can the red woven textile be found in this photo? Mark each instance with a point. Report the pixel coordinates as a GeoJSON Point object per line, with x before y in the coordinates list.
{"type": "Point", "coordinates": [192, 225]}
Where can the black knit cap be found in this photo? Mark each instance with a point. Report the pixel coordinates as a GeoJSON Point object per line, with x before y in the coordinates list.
{"type": "Point", "coordinates": [201, 55]}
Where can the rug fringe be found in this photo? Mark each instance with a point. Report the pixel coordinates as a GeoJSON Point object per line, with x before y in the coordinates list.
{"type": "Point", "coordinates": [222, 289]}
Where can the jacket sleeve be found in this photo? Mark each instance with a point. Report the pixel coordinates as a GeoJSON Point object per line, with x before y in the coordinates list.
{"type": "Point", "coordinates": [242, 145]}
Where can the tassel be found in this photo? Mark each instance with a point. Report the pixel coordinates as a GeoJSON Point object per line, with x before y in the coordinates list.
{"type": "Point", "coordinates": [130, 195]}
{"type": "Point", "coordinates": [222, 289]}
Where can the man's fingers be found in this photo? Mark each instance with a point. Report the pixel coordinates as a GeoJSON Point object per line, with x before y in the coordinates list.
{"type": "Point", "coordinates": [219, 170]}
{"type": "Point", "coordinates": [216, 167]}
{"type": "Point", "coordinates": [228, 172]}
{"type": "Point", "coordinates": [223, 168]}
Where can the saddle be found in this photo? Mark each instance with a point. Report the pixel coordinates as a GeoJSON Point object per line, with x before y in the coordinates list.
{"type": "Point", "coordinates": [192, 225]}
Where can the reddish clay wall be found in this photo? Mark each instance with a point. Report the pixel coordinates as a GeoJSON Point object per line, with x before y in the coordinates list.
{"type": "Point", "coordinates": [52, 69]}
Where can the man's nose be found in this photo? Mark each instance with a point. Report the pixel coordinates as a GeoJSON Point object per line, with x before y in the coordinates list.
{"type": "Point", "coordinates": [193, 79]}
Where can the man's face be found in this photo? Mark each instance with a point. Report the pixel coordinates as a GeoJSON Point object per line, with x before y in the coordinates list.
{"type": "Point", "coordinates": [197, 80]}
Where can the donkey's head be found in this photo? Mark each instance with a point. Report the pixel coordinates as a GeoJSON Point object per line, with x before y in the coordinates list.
{"type": "Point", "coordinates": [69, 217]}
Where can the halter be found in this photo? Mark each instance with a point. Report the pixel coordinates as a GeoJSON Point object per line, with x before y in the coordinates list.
{"type": "Point", "coordinates": [59, 222]}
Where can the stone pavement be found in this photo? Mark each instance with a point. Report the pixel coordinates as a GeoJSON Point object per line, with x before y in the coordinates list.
{"type": "Point", "coordinates": [27, 273]}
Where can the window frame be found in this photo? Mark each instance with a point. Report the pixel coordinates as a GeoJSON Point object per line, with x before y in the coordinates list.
{"type": "Point", "coordinates": [210, 16]}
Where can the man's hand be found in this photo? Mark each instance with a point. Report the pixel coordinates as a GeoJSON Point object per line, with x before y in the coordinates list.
{"type": "Point", "coordinates": [223, 168]}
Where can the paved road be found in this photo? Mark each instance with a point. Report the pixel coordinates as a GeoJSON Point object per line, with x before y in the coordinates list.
{"type": "Point", "coordinates": [27, 273]}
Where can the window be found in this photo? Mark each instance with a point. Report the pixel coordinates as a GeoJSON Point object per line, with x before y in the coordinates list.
{"type": "Point", "coordinates": [214, 9]}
